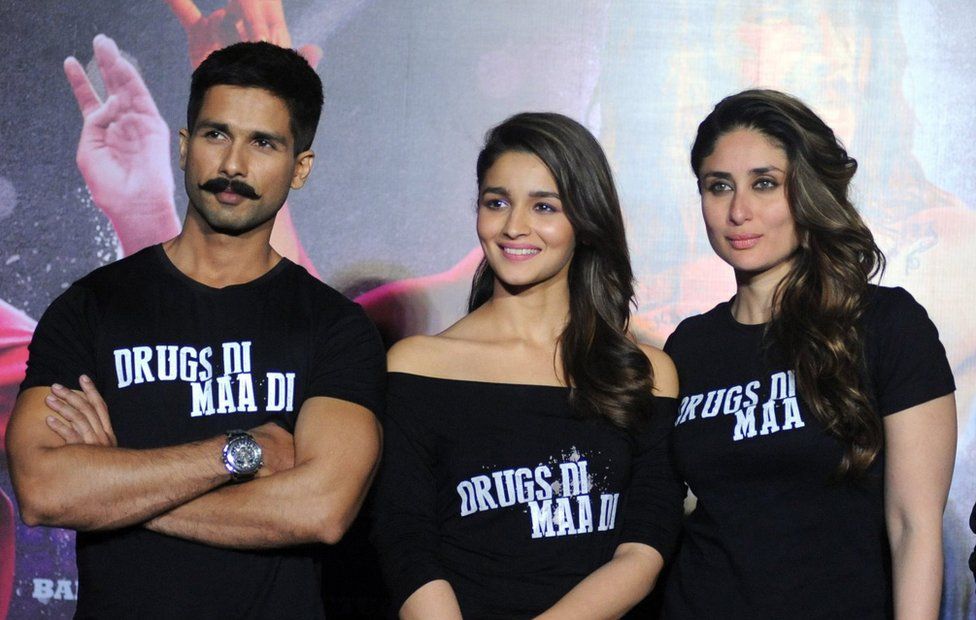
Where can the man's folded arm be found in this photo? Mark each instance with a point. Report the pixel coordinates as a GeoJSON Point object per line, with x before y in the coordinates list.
{"type": "Point", "coordinates": [337, 445]}
{"type": "Point", "coordinates": [95, 487]}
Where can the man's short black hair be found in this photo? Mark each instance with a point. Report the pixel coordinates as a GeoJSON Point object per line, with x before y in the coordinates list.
{"type": "Point", "coordinates": [280, 71]}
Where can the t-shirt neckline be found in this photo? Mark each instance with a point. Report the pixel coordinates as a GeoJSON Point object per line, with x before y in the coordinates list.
{"type": "Point", "coordinates": [168, 266]}
{"type": "Point", "coordinates": [725, 311]}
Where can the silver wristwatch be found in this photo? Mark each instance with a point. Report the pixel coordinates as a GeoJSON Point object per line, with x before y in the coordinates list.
{"type": "Point", "coordinates": [242, 455]}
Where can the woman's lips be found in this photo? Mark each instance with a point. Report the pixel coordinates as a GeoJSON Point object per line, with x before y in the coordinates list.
{"type": "Point", "coordinates": [519, 252]}
{"type": "Point", "coordinates": [743, 242]}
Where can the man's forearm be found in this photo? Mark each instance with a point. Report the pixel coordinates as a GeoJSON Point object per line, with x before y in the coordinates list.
{"type": "Point", "coordinates": [337, 446]}
{"type": "Point", "coordinates": [96, 487]}
{"type": "Point", "coordinates": [287, 508]}
{"type": "Point", "coordinates": [68, 472]}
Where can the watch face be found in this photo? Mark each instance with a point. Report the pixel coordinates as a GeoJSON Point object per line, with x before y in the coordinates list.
{"type": "Point", "coordinates": [244, 455]}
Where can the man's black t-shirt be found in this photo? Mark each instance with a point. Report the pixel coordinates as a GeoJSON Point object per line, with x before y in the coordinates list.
{"type": "Point", "coordinates": [771, 537]}
{"type": "Point", "coordinates": [178, 361]}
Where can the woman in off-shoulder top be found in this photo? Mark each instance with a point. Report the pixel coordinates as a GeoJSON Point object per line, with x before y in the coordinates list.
{"type": "Point", "coordinates": [525, 469]}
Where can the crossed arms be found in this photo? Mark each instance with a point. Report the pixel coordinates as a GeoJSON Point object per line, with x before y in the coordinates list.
{"type": "Point", "coordinates": [68, 472]}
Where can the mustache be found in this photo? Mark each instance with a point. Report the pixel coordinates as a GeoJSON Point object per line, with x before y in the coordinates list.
{"type": "Point", "coordinates": [221, 184]}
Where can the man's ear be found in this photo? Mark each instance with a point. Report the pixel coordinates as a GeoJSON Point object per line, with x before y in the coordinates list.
{"type": "Point", "coordinates": [184, 138]}
{"type": "Point", "coordinates": [303, 167]}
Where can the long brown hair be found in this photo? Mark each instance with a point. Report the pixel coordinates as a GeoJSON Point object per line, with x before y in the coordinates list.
{"type": "Point", "coordinates": [818, 305]}
{"type": "Point", "coordinates": [608, 373]}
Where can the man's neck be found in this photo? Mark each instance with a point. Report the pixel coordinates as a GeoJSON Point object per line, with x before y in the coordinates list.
{"type": "Point", "coordinates": [218, 260]}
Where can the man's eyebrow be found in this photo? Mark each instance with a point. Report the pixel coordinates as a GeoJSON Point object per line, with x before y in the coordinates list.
{"type": "Point", "coordinates": [222, 127]}
{"type": "Point", "coordinates": [271, 137]}
{"type": "Point", "coordinates": [254, 135]}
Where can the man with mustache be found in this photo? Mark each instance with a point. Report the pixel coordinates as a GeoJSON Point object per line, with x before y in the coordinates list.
{"type": "Point", "coordinates": [178, 349]}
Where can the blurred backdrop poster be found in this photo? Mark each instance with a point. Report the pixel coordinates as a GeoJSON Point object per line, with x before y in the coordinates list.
{"type": "Point", "coordinates": [411, 87]}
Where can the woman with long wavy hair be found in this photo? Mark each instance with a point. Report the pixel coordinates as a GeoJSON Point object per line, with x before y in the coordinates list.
{"type": "Point", "coordinates": [525, 467]}
{"type": "Point", "coordinates": [817, 423]}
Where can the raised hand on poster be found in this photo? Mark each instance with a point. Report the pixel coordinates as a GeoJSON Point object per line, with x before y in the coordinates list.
{"type": "Point", "coordinates": [240, 20]}
{"type": "Point", "coordinates": [123, 153]}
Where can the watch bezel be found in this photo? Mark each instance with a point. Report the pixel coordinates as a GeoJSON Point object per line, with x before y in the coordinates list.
{"type": "Point", "coordinates": [239, 468]}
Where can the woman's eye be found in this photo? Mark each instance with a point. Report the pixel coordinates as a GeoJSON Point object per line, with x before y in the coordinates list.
{"type": "Point", "coordinates": [545, 207]}
{"type": "Point", "coordinates": [718, 187]}
{"type": "Point", "coordinates": [764, 184]}
{"type": "Point", "coordinates": [493, 203]}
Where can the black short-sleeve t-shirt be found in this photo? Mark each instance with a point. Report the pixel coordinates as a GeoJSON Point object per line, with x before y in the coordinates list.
{"type": "Point", "coordinates": [771, 535]}
{"type": "Point", "coordinates": [500, 490]}
{"type": "Point", "coordinates": [177, 361]}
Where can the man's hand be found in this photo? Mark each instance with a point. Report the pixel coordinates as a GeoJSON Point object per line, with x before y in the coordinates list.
{"type": "Point", "coordinates": [123, 153]}
{"type": "Point", "coordinates": [74, 476]}
{"type": "Point", "coordinates": [82, 418]}
{"type": "Point", "coordinates": [277, 448]}
{"type": "Point", "coordinates": [337, 445]}
{"type": "Point", "coordinates": [240, 20]}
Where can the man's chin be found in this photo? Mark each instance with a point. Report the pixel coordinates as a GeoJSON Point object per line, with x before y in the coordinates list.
{"type": "Point", "coordinates": [232, 221]}
{"type": "Point", "coordinates": [234, 228]}
{"type": "Point", "coordinates": [230, 231]}
{"type": "Point", "coordinates": [224, 223]}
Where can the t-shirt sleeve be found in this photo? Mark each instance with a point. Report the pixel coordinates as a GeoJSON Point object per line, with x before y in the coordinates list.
{"type": "Point", "coordinates": [405, 523]}
{"type": "Point", "coordinates": [676, 346]}
{"type": "Point", "coordinates": [910, 364]}
{"type": "Point", "coordinates": [62, 348]}
{"type": "Point", "coordinates": [653, 509]}
{"type": "Point", "coordinates": [350, 362]}
{"type": "Point", "coordinates": [669, 344]}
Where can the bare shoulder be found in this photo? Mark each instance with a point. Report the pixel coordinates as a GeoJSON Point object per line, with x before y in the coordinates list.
{"type": "Point", "coordinates": [458, 352]}
{"type": "Point", "coordinates": [665, 374]}
{"type": "Point", "coordinates": [416, 355]}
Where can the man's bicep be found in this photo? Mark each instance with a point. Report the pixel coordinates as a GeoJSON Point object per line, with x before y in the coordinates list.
{"type": "Point", "coordinates": [28, 429]}
{"type": "Point", "coordinates": [336, 432]}
{"type": "Point", "coordinates": [337, 444]}
{"type": "Point", "coordinates": [29, 440]}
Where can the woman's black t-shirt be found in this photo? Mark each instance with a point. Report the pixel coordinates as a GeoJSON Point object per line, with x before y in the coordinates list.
{"type": "Point", "coordinates": [771, 536]}
{"type": "Point", "coordinates": [501, 491]}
